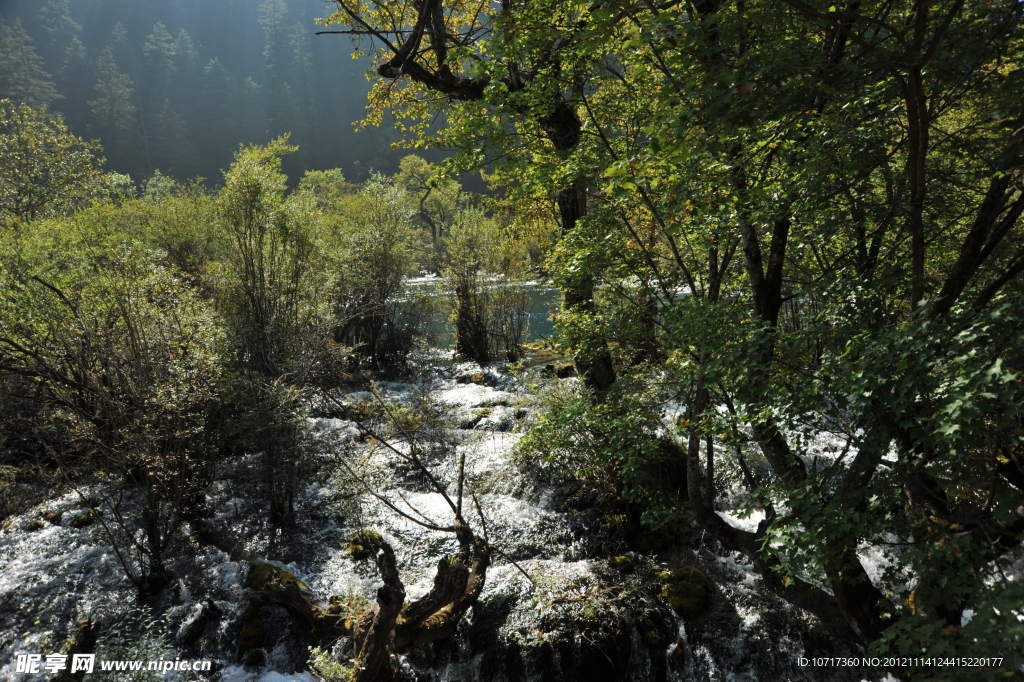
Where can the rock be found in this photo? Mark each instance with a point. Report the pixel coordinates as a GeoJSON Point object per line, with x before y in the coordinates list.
{"type": "Point", "coordinates": [561, 370]}
{"type": "Point", "coordinates": [264, 575]}
{"type": "Point", "coordinates": [686, 589]}
{"type": "Point", "coordinates": [250, 629]}
{"type": "Point", "coordinates": [566, 370]}
{"type": "Point", "coordinates": [254, 659]}
{"type": "Point", "coordinates": [621, 562]}
{"type": "Point", "coordinates": [481, 377]}
{"type": "Point", "coordinates": [86, 518]}
{"type": "Point", "coordinates": [193, 628]}
{"type": "Point", "coordinates": [498, 418]}
{"type": "Point", "coordinates": [574, 625]}
{"type": "Point", "coordinates": [468, 419]}
{"type": "Point", "coordinates": [474, 378]}
{"type": "Point", "coordinates": [281, 615]}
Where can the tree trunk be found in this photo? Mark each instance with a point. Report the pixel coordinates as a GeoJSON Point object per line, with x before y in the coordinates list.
{"type": "Point", "coordinates": [563, 128]}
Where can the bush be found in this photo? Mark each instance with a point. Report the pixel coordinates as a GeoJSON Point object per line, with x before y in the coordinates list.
{"type": "Point", "coordinates": [490, 310]}
{"type": "Point", "coordinates": [44, 168]}
{"type": "Point", "coordinates": [258, 415]}
{"type": "Point", "coordinates": [611, 453]}
{"type": "Point", "coordinates": [270, 286]}
{"type": "Point", "coordinates": [130, 353]}
{"type": "Point", "coordinates": [378, 248]}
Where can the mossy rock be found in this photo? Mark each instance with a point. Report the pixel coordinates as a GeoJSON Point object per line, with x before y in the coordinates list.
{"type": "Point", "coordinates": [653, 638]}
{"type": "Point", "coordinates": [686, 589]}
{"type": "Point", "coordinates": [478, 378]}
{"type": "Point", "coordinates": [86, 518]}
{"type": "Point", "coordinates": [470, 421]}
{"type": "Point", "coordinates": [33, 525]}
{"type": "Point", "coordinates": [621, 562]}
{"type": "Point", "coordinates": [192, 630]}
{"type": "Point", "coordinates": [566, 370]}
{"type": "Point", "coordinates": [655, 632]}
{"type": "Point", "coordinates": [263, 575]}
{"type": "Point", "coordinates": [52, 516]}
{"type": "Point", "coordinates": [254, 659]}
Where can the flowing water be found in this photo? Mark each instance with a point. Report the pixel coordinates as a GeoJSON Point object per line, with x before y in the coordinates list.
{"type": "Point", "coordinates": [553, 606]}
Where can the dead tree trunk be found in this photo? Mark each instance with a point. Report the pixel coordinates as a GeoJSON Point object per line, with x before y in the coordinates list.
{"type": "Point", "coordinates": [392, 626]}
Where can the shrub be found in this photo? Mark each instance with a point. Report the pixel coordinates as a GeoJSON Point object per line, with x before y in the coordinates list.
{"type": "Point", "coordinates": [131, 354]}
{"type": "Point", "coordinates": [378, 248]}
{"type": "Point", "coordinates": [270, 285]}
{"type": "Point", "coordinates": [44, 168]}
{"type": "Point", "coordinates": [610, 452]}
{"type": "Point", "coordinates": [490, 310]}
{"type": "Point", "coordinates": [259, 415]}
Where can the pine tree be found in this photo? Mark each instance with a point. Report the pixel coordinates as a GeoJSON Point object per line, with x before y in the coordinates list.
{"type": "Point", "coordinates": [159, 50]}
{"type": "Point", "coordinates": [58, 35]}
{"type": "Point", "coordinates": [220, 122]}
{"type": "Point", "coordinates": [23, 77]}
{"type": "Point", "coordinates": [278, 55]}
{"type": "Point", "coordinates": [112, 112]}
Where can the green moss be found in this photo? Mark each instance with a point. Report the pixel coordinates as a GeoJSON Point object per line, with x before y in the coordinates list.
{"type": "Point", "coordinates": [565, 370]}
{"type": "Point", "coordinates": [686, 589]}
{"type": "Point", "coordinates": [262, 575]}
{"type": "Point", "coordinates": [363, 545]}
{"type": "Point", "coordinates": [653, 638]}
{"type": "Point", "coordinates": [86, 518]}
{"type": "Point", "coordinates": [621, 563]}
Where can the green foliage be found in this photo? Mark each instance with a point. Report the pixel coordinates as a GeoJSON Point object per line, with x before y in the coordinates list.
{"type": "Point", "coordinates": [122, 345]}
{"type": "Point", "coordinates": [171, 218]}
{"type": "Point", "coordinates": [327, 186]}
{"type": "Point", "coordinates": [268, 288]}
{"type": "Point", "coordinates": [138, 635]}
{"type": "Point", "coordinates": [483, 267]}
{"type": "Point", "coordinates": [610, 452]}
{"type": "Point", "coordinates": [323, 665]}
{"type": "Point", "coordinates": [44, 168]}
{"type": "Point", "coordinates": [138, 369]}
{"type": "Point", "coordinates": [259, 414]}
{"type": "Point", "coordinates": [810, 218]}
{"type": "Point", "coordinates": [376, 246]}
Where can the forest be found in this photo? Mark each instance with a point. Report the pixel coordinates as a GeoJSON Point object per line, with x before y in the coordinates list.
{"type": "Point", "coordinates": [455, 340]}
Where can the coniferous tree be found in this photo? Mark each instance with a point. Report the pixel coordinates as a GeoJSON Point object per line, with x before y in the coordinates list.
{"type": "Point", "coordinates": [283, 81]}
{"type": "Point", "coordinates": [113, 112]}
{"type": "Point", "coordinates": [66, 57]}
{"type": "Point", "coordinates": [23, 77]}
{"type": "Point", "coordinates": [219, 112]}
